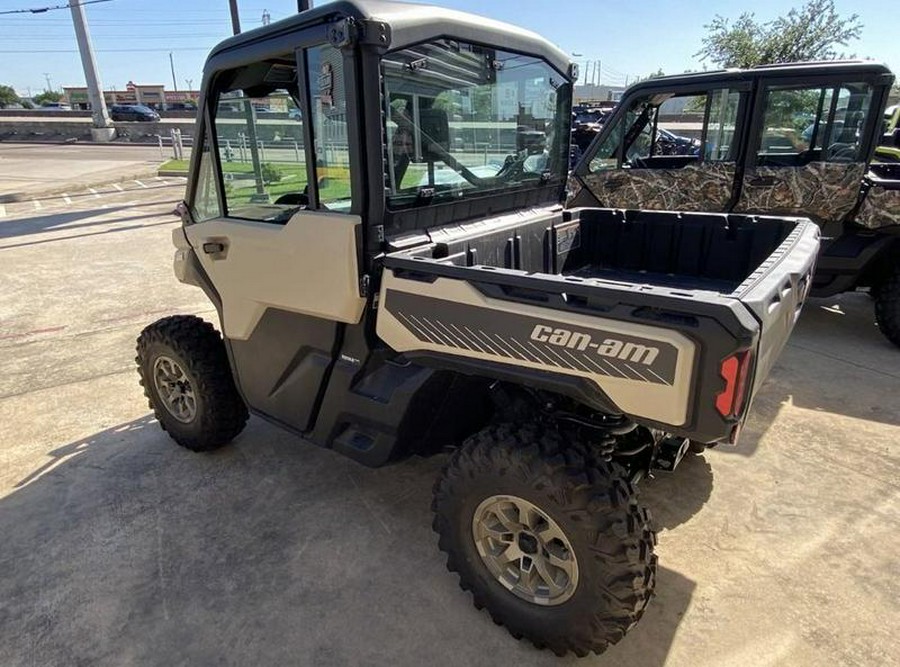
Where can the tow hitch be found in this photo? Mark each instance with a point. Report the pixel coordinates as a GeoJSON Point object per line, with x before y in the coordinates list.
{"type": "Point", "coordinates": [669, 453]}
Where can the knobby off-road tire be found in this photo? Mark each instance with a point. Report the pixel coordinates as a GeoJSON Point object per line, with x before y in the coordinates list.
{"type": "Point", "coordinates": [186, 376]}
{"type": "Point", "coordinates": [887, 307]}
{"type": "Point", "coordinates": [588, 500]}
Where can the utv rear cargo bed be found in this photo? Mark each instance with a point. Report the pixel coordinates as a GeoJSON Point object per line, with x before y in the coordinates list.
{"type": "Point", "coordinates": [665, 299]}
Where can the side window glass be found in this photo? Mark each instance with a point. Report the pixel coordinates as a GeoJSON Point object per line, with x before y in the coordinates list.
{"type": "Point", "coordinates": [640, 143]}
{"type": "Point", "coordinates": [721, 126]}
{"type": "Point", "coordinates": [842, 141]}
{"type": "Point", "coordinates": [792, 122]}
{"type": "Point", "coordinates": [634, 131]}
{"type": "Point", "coordinates": [607, 156]}
{"type": "Point", "coordinates": [329, 127]}
{"type": "Point", "coordinates": [802, 125]}
{"type": "Point", "coordinates": [205, 205]}
{"type": "Point", "coordinates": [677, 129]}
{"type": "Point", "coordinates": [259, 136]}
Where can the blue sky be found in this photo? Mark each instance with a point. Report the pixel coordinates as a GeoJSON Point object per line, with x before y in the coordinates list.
{"type": "Point", "coordinates": [133, 38]}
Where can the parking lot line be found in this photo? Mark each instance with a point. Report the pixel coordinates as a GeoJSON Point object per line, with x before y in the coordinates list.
{"type": "Point", "coordinates": [143, 185]}
{"type": "Point", "coordinates": [118, 187]}
{"type": "Point", "coordinates": [37, 205]}
{"type": "Point", "coordinates": [66, 197]}
{"type": "Point", "coordinates": [95, 193]}
{"type": "Point", "coordinates": [2, 211]}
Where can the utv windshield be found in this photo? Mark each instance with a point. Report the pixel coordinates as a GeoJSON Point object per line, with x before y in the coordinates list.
{"type": "Point", "coordinates": [465, 120]}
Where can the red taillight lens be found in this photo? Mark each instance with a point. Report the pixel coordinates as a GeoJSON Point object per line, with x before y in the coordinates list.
{"type": "Point", "coordinates": [735, 370]}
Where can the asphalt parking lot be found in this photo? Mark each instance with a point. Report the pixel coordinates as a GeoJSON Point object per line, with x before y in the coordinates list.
{"type": "Point", "coordinates": [120, 548]}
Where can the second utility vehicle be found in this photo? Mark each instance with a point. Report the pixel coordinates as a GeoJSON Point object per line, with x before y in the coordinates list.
{"type": "Point", "coordinates": [396, 274]}
{"type": "Point", "coordinates": [793, 139]}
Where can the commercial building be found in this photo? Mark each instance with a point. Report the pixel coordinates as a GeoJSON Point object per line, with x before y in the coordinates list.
{"type": "Point", "coordinates": [154, 96]}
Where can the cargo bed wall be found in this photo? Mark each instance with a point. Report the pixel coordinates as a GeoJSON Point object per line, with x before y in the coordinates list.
{"type": "Point", "coordinates": [681, 250]}
{"type": "Point", "coordinates": [502, 299]}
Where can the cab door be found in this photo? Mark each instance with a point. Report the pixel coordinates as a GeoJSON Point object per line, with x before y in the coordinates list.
{"type": "Point", "coordinates": [668, 149]}
{"type": "Point", "coordinates": [808, 149]}
{"type": "Point", "coordinates": [276, 227]}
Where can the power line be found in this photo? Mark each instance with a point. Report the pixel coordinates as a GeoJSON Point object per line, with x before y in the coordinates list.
{"type": "Point", "coordinates": [41, 10]}
{"type": "Point", "coordinates": [186, 48]}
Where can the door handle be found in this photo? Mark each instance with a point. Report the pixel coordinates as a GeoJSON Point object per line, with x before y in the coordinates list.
{"type": "Point", "coordinates": [213, 247]}
{"type": "Point", "coordinates": [216, 248]}
{"type": "Point", "coordinates": [764, 181]}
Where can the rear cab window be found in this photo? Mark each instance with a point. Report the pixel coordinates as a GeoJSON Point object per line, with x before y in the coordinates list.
{"type": "Point", "coordinates": [465, 120]}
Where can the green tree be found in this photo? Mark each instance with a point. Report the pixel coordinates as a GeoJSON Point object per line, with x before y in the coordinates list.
{"type": "Point", "coordinates": [7, 96]}
{"type": "Point", "coordinates": [47, 96]}
{"type": "Point", "coordinates": [811, 32]}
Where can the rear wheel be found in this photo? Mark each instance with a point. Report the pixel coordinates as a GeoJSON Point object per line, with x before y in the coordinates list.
{"type": "Point", "coordinates": [887, 307]}
{"type": "Point", "coordinates": [186, 377]}
{"type": "Point", "coordinates": [549, 540]}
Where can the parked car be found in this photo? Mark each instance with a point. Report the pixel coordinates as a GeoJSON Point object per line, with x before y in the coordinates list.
{"type": "Point", "coordinates": [55, 106]}
{"type": "Point", "coordinates": [133, 112]}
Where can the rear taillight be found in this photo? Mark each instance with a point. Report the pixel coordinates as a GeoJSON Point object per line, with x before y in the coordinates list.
{"type": "Point", "coordinates": [735, 370]}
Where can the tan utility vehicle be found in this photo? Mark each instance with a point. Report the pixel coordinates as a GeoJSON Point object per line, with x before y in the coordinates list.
{"type": "Point", "coordinates": [395, 274]}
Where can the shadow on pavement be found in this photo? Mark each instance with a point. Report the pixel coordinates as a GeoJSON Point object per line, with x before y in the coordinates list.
{"type": "Point", "coordinates": [55, 221]}
{"type": "Point", "coordinates": [112, 230]}
{"type": "Point", "coordinates": [674, 498]}
{"type": "Point", "coordinates": [124, 548]}
{"type": "Point", "coordinates": [836, 363]}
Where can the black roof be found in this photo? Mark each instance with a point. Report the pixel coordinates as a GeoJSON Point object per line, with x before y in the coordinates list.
{"type": "Point", "coordinates": [409, 24]}
{"type": "Point", "coordinates": [842, 68]}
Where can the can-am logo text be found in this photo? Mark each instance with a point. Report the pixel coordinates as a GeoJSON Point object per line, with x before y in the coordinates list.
{"type": "Point", "coordinates": [610, 347]}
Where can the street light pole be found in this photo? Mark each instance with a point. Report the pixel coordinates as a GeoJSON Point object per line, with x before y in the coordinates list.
{"type": "Point", "coordinates": [103, 129]}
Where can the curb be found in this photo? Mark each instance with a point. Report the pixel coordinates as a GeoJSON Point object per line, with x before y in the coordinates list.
{"type": "Point", "coordinates": [144, 172]}
{"type": "Point", "coordinates": [171, 172]}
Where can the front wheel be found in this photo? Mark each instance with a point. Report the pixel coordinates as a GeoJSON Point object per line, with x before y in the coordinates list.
{"type": "Point", "coordinates": [551, 541]}
{"type": "Point", "coordinates": [187, 379]}
{"type": "Point", "coordinates": [887, 307]}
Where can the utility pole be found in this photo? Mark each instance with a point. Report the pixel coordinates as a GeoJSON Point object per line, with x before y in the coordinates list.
{"type": "Point", "coordinates": [172, 65]}
{"type": "Point", "coordinates": [266, 17]}
{"type": "Point", "coordinates": [47, 78]}
{"type": "Point", "coordinates": [189, 83]}
{"type": "Point", "coordinates": [103, 129]}
{"type": "Point", "coordinates": [250, 117]}
{"type": "Point", "coordinates": [235, 18]}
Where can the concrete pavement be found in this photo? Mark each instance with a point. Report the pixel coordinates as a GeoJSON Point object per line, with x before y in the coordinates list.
{"type": "Point", "coordinates": [32, 170]}
{"type": "Point", "coordinates": [120, 548]}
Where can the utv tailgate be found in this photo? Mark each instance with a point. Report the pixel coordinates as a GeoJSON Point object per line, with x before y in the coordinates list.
{"type": "Point", "coordinates": [644, 313]}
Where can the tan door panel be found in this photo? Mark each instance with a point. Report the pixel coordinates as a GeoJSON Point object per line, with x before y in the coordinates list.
{"type": "Point", "coordinates": [308, 266]}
